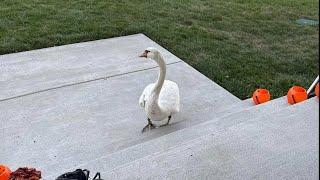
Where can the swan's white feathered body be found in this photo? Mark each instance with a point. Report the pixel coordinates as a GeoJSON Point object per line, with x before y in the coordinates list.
{"type": "Point", "coordinates": [168, 101]}
{"type": "Point", "coordinates": [160, 100]}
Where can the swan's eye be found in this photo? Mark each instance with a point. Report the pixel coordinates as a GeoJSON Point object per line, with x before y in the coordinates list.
{"type": "Point", "coordinates": [146, 51]}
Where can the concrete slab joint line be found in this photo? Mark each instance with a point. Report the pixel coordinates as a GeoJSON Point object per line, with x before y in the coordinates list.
{"type": "Point", "coordinates": [38, 70]}
{"type": "Point", "coordinates": [88, 81]}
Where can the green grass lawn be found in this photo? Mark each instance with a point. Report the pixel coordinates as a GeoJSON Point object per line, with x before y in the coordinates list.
{"type": "Point", "coordinates": [240, 44]}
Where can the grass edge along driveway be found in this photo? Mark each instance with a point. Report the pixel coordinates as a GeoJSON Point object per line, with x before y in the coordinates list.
{"type": "Point", "coordinates": [240, 44]}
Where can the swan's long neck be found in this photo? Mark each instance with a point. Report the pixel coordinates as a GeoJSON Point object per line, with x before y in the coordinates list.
{"type": "Point", "coordinates": [154, 106]}
{"type": "Point", "coordinates": [162, 74]}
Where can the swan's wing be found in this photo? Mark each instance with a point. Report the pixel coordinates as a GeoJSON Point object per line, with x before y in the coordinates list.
{"type": "Point", "coordinates": [145, 94]}
{"type": "Point", "coordinates": [169, 97]}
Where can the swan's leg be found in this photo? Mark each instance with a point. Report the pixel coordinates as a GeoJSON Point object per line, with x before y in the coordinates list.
{"type": "Point", "coordinates": [148, 126]}
{"type": "Point", "coordinates": [169, 118]}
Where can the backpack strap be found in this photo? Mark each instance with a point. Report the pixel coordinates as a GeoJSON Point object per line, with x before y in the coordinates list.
{"type": "Point", "coordinates": [97, 176]}
{"type": "Point", "coordinates": [78, 174]}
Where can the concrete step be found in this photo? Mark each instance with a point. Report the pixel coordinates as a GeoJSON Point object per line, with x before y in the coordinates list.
{"type": "Point", "coordinates": [44, 69]}
{"type": "Point", "coordinates": [229, 117]}
{"type": "Point", "coordinates": [59, 129]}
{"type": "Point", "coordinates": [281, 145]}
{"type": "Point", "coordinates": [249, 101]}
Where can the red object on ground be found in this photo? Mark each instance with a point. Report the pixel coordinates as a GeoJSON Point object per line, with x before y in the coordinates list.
{"type": "Point", "coordinates": [296, 94]}
{"type": "Point", "coordinates": [25, 174]}
{"type": "Point", "coordinates": [4, 172]}
{"type": "Point", "coordinates": [316, 90]}
{"type": "Point", "coordinates": [261, 96]}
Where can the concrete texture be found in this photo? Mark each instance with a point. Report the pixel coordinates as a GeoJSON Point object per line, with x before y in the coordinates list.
{"type": "Point", "coordinates": [284, 145]}
{"type": "Point", "coordinates": [77, 106]}
{"type": "Point", "coordinates": [38, 70]}
{"type": "Point", "coordinates": [234, 114]}
{"type": "Point", "coordinates": [60, 128]}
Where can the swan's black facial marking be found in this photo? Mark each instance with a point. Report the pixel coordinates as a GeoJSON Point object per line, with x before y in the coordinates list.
{"type": "Point", "coordinates": [145, 54]}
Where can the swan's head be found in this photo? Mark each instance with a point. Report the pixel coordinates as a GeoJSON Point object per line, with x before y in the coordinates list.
{"type": "Point", "coordinates": [151, 53]}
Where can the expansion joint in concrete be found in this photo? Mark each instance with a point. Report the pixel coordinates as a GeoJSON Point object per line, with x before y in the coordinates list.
{"type": "Point", "coordinates": [83, 82]}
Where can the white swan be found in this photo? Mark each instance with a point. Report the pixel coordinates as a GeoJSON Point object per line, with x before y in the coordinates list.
{"type": "Point", "coordinates": [160, 100]}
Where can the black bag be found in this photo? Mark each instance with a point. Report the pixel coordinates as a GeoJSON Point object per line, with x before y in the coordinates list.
{"type": "Point", "coordinates": [78, 174]}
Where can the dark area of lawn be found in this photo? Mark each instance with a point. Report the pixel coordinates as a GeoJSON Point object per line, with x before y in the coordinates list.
{"type": "Point", "coordinates": [240, 44]}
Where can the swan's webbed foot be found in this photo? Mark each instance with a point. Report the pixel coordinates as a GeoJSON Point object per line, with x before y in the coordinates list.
{"type": "Point", "coordinates": [149, 126]}
{"type": "Point", "coordinates": [169, 118]}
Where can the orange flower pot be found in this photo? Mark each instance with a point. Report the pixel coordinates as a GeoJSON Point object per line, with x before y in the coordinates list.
{"type": "Point", "coordinates": [4, 172]}
{"type": "Point", "coordinates": [261, 96]}
{"type": "Point", "coordinates": [316, 90]}
{"type": "Point", "coordinates": [296, 94]}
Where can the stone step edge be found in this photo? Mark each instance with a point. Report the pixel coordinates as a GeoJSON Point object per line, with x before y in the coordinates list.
{"type": "Point", "coordinates": [177, 147]}
{"type": "Point", "coordinates": [179, 133]}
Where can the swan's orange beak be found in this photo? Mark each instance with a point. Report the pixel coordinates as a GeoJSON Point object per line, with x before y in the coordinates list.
{"type": "Point", "coordinates": [144, 54]}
